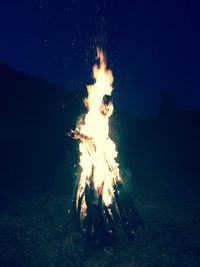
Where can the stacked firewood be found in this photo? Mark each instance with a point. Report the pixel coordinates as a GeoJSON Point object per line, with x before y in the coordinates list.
{"type": "Point", "coordinates": [97, 220]}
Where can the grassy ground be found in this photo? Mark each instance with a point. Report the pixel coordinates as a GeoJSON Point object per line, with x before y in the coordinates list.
{"type": "Point", "coordinates": [38, 233]}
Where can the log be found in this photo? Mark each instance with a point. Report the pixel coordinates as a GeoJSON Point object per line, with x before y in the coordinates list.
{"type": "Point", "coordinates": [100, 219]}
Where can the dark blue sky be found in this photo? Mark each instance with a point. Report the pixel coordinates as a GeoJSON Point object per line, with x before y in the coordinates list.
{"type": "Point", "coordinates": [152, 46]}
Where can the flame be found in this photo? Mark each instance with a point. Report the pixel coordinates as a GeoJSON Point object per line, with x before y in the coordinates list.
{"type": "Point", "coordinates": [98, 154]}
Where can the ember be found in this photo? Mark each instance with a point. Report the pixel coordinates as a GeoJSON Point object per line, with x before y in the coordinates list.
{"type": "Point", "coordinates": [101, 202]}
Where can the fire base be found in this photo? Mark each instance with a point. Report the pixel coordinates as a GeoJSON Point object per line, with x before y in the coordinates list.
{"type": "Point", "coordinates": [100, 223]}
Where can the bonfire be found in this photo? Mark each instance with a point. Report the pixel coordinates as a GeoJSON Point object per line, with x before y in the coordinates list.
{"type": "Point", "coordinates": [101, 202]}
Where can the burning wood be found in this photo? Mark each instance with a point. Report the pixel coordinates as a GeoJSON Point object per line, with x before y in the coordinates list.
{"type": "Point", "coordinates": [101, 202]}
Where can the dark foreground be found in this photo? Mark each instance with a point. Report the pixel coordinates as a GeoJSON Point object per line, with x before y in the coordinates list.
{"type": "Point", "coordinates": [39, 233]}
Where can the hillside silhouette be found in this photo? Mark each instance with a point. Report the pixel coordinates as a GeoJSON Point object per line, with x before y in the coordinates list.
{"type": "Point", "coordinates": [159, 159]}
{"type": "Point", "coordinates": [34, 118]}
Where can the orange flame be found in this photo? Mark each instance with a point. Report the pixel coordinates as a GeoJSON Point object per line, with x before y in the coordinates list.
{"type": "Point", "coordinates": [96, 126]}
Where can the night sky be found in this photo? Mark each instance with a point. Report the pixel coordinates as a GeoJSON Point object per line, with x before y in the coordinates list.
{"type": "Point", "coordinates": [151, 46]}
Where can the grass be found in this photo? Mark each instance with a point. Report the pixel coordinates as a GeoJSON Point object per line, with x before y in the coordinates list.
{"type": "Point", "coordinates": [38, 232]}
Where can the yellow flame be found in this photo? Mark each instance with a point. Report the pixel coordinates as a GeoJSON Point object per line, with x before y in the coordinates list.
{"type": "Point", "coordinates": [96, 126]}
